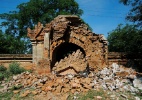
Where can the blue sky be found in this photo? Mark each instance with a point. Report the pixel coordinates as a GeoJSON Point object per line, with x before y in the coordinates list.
{"type": "Point", "coordinates": [102, 15]}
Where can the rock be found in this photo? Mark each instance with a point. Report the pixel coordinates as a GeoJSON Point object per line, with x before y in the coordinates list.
{"type": "Point", "coordinates": [43, 93]}
{"type": "Point", "coordinates": [26, 93]}
{"type": "Point", "coordinates": [34, 92]}
{"type": "Point", "coordinates": [3, 85]}
{"type": "Point", "coordinates": [105, 71]}
{"type": "Point", "coordinates": [133, 90]}
{"type": "Point", "coordinates": [18, 81]}
{"type": "Point", "coordinates": [64, 97]}
{"type": "Point", "coordinates": [29, 81]}
{"type": "Point", "coordinates": [112, 96]}
{"type": "Point", "coordinates": [104, 87]}
{"type": "Point", "coordinates": [137, 83]}
{"type": "Point", "coordinates": [27, 72]}
{"type": "Point", "coordinates": [111, 88]}
{"type": "Point", "coordinates": [1, 90]}
{"type": "Point", "coordinates": [76, 80]}
{"type": "Point", "coordinates": [137, 98]}
{"type": "Point", "coordinates": [115, 67]}
{"type": "Point", "coordinates": [75, 85]}
{"type": "Point", "coordinates": [70, 76]}
{"type": "Point", "coordinates": [131, 76]}
{"type": "Point", "coordinates": [106, 78]}
{"type": "Point", "coordinates": [45, 79]}
{"type": "Point", "coordinates": [126, 81]}
{"type": "Point", "coordinates": [23, 95]}
{"type": "Point", "coordinates": [5, 88]}
{"type": "Point", "coordinates": [95, 82]}
{"type": "Point", "coordinates": [16, 91]}
{"type": "Point", "coordinates": [3, 82]}
{"type": "Point", "coordinates": [75, 97]}
{"type": "Point", "coordinates": [140, 79]}
{"type": "Point", "coordinates": [48, 88]}
{"type": "Point", "coordinates": [124, 96]}
{"type": "Point", "coordinates": [40, 81]}
{"type": "Point", "coordinates": [130, 88]}
{"type": "Point", "coordinates": [98, 97]}
{"type": "Point", "coordinates": [15, 78]}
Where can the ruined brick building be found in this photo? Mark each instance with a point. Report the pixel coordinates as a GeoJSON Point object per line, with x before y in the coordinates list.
{"type": "Point", "coordinates": [66, 43]}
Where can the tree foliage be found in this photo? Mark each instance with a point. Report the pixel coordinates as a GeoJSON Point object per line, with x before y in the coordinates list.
{"type": "Point", "coordinates": [30, 13]}
{"type": "Point", "coordinates": [12, 45]}
{"type": "Point", "coordinates": [128, 38]}
{"type": "Point", "coordinates": [125, 39]}
{"type": "Point", "coordinates": [135, 14]}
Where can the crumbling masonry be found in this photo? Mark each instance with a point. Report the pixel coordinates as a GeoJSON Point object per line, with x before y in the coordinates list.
{"type": "Point", "coordinates": [66, 45]}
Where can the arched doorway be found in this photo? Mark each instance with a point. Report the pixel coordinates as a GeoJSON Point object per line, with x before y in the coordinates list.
{"type": "Point", "coordinates": [63, 50]}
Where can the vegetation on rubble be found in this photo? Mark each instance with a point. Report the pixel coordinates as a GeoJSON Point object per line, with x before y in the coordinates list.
{"type": "Point", "coordinates": [28, 15]}
{"type": "Point", "coordinates": [2, 68]}
{"type": "Point", "coordinates": [2, 72]}
{"type": "Point", "coordinates": [17, 87]}
{"type": "Point", "coordinates": [103, 95]}
{"type": "Point", "coordinates": [14, 68]}
{"type": "Point", "coordinates": [1, 76]}
{"type": "Point", "coordinates": [90, 95]}
{"type": "Point", "coordinates": [6, 95]}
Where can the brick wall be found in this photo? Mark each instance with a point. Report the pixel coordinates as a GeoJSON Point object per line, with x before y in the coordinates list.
{"type": "Point", "coordinates": [26, 59]}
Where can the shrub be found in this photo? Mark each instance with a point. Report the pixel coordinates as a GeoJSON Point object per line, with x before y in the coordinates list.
{"type": "Point", "coordinates": [2, 68]}
{"type": "Point", "coordinates": [17, 87]}
{"type": "Point", "coordinates": [1, 76]}
{"type": "Point", "coordinates": [7, 74]}
{"type": "Point", "coordinates": [15, 68]}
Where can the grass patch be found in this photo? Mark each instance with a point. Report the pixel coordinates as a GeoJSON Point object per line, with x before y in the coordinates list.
{"type": "Point", "coordinates": [15, 68]}
{"type": "Point", "coordinates": [17, 87]}
{"type": "Point", "coordinates": [2, 68]}
{"type": "Point", "coordinates": [139, 94]}
{"type": "Point", "coordinates": [105, 95]}
{"type": "Point", "coordinates": [90, 95]}
{"type": "Point", "coordinates": [6, 95]}
{"type": "Point", "coordinates": [1, 76]}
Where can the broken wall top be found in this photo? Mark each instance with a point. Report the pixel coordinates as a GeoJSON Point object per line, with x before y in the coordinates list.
{"type": "Point", "coordinates": [59, 26]}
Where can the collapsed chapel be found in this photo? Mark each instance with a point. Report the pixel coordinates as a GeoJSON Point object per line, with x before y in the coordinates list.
{"type": "Point", "coordinates": [66, 45]}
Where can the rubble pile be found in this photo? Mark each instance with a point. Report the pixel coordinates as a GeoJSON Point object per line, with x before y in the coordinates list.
{"type": "Point", "coordinates": [115, 78]}
{"type": "Point", "coordinates": [72, 64]}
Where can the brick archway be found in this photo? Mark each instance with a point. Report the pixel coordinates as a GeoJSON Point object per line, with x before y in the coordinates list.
{"type": "Point", "coordinates": [63, 50]}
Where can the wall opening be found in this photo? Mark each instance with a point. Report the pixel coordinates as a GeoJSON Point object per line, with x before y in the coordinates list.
{"type": "Point", "coordinates": [63, 50]}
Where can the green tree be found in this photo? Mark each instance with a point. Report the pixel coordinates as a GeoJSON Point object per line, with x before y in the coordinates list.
{"type": "Point", "coordinates": [128, 38]}
{"type": "Point", "coordinates": [2, 42]}
{"type": "Point", "coordinates": [30, 13]}
{"type": "Point", "coordinates": [12, 45]}
{"type": "Point", "coordinates": [135, 14]}
{"type": "Point", "coordinates": [125, 39]}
